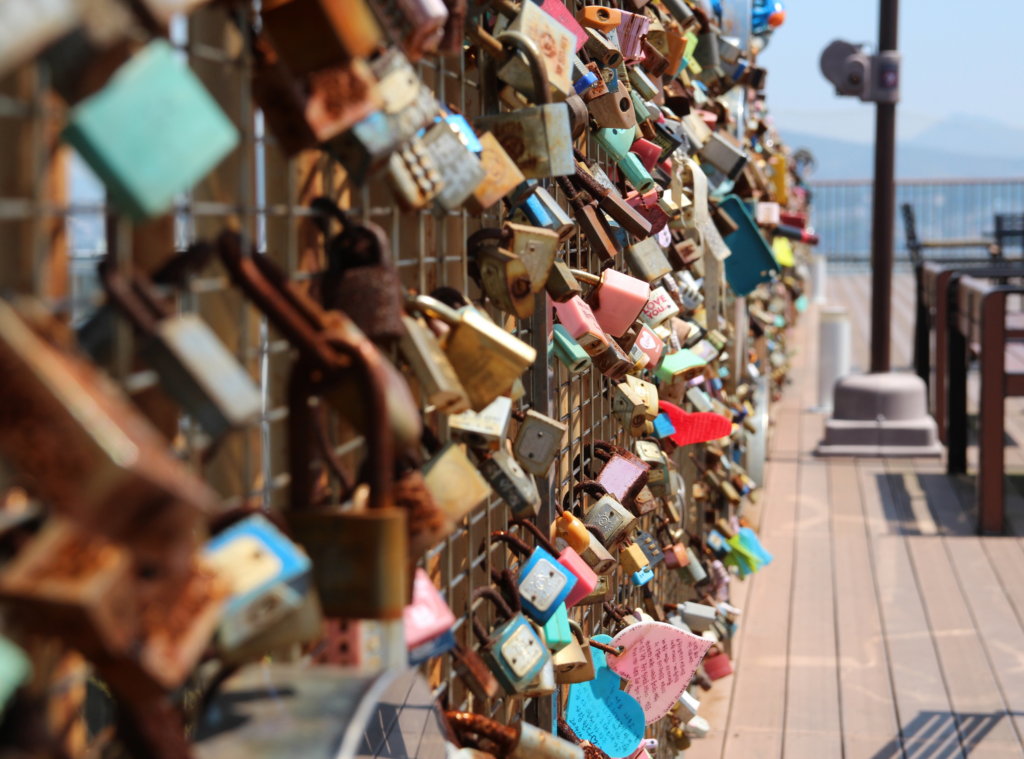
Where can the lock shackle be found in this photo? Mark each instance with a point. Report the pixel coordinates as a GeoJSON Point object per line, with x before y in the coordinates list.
{"type": "Point", "coordinates": [499, 603]}
{"type": "Point", "coordinates": [541, 539]}
{"type": "Point", "coordinates": [356, 237]}
{"type": "Point", "coordinates": [507, 581]}
{"type": "Point", "coordinates": [590, 487]}
{"type": "Point", "coordinates": [589, 183]}
{"type": "Point", "coordinates": [130, 298]}
{"type": "Point", "coordinates": [539, 70]}
{"type": "Point", "coordinates": [326, 208]}
{"type": "Point", "coordinates": [430, 306]}
{"type": "Point", "coordinates": [516, 543]}
{"type": "Point", "coordinates": [570, 193]}
{"type": "Point", "coordinates": [476, 240]}
{"type": "Point", "coordinates": [586, 276]}
{"type": "Point", "coordinates": [467, 722]}
{"type": "Point", "coordinates": [577, 631]}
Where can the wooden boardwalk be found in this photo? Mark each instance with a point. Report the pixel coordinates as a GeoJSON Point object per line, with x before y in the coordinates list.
{"type": "Point", "coordinates": [884, 627]}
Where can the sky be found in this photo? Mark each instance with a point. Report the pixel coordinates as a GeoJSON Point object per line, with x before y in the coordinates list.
{"type": "Point", "coordinates": [959, 58]}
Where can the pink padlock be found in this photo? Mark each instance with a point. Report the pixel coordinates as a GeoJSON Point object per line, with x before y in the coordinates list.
{"type": "Point", "coordinates": [623, 475]}
{"type": "Point", "coordinates": [577, 317]}
{"type": "Point", "coordinates": [647, 151]}
{"type": "Point", "coordinates": [632, 29]}
{"type": "Point", "coordinates": [428, 615]}
{"type": "Point", "coordinates": [586, 578]}
{"type": "Point", "coordinates": [616, 300]}
{"type": "Point", "coordinates": [652, 345]}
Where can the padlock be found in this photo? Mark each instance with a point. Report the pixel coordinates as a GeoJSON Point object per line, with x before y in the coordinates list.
{"type": "Point", "coordinates": [614, 362]}
{"type": "Point", "coordinates": [555, 632]}
{"type": "Point", "coordinates": [486, 359]}
{"type": "Point", "coordinates": [514, 486]}
{"type": "Point", "coordinates": [60, 405]}
{"type": "Point", "coordinates": [77, 585]}
{"type": "Point", "coordinates": [505, 280]}
{"type": "Point", "coordinates": [460, 169]}
{"type": "Point", "coordinates": [416, 25]}
{"type": "Point", "coordinates": [154, 106]}
{"type": "Point", "coordinates": [561, 285]}
{"type": "Point", "coordinates": [314, 34]}
{"type": "Point", "coordinates": [543, 582]}
{"type": "Point", "coordinates": [596, 17]}
{"type": "Point", "coordinates": [609, 516]}
{"type": "Point", "coordinates": [603, 591]}
{"type": "Point", "coordinates": [543, 685]}
{"type": "Point", "coordinates": [487, 429]}
{"type": "Point", "coordinates": [633, 170]}
{"type": "Point", "coordinates": [575, 663]}
{"type": "Point", "coordinates": [268, 576]}
{"type": "Point", "coordinates": [501, 176]}
{"type": "Point", "coordinates": [632, 559]}
{"type": "Point", "coordinates": [557, 50]}
{"type": "Point", "coordinates": [642, 84]}
{"type": "Point", "coordinates": [586, 218]}
{"type": "Point", "coordinates": [694, 569]}
{"type": "Point", "coordinates": [540, 210]}
{"type": "Point", "coordinates": [630, 409]}
{"type": "Point", "coordinates": [439, 385]}
{"type": "Point", "coordinates": [194, 366]}
{"type": "Point", "coordinates": [571, 532]}
{"type": "Point", "coordinates": [660, 308]}
{"type": "Point", "coordinates": [455, 484]}
{"type": "Point", "coordinates": [623, 474]}
{"type": "Point", "coordinates": [475, 674]}
{"type": "Point", "coordinates": [371, 645]}
{"type": "Point", "coordinates": [538, 139]}
{"type": "Point", "coordinates": [568, 351]}
{"type": "Point", "coordinates": [301, 626]}
{"type": "Point", "coordinates": [645, 502]}
{"type": "Point", "coordinates": [361, 278]}
{"type": "Point", "coordinates": [578, 318]}
{"type": "Point", "coordinates": [428, 616]}
{"type": "Point", "coordinates": [600, 49]}
{"type": "Point", "coordinates": [536, 247]}
{"type": "Point", "coordinates": [570, 560]}
{"type": "Point", "coordinates": [414, 175]}
{"type": "Point", "coordinates": [651, 454]}
{"type": "Point", "coordinates": [538, 442]}
{"type": "Point", "coordinates": [609, 201]}
{"type": "Point", "coordinates": [647, 261]}
{"type": "Point", "coordinates": [650, 547]}
{"type": "Point", "coordinates": [647, 392]}
{"type": "Point", "coordinates": [615, 298]}
{"type": "Point", "coordinates": [614, 109]}
{"type": "Point", "coordinates": [724, 156]}
{"type": "Point", "coordinates": [513, 652]}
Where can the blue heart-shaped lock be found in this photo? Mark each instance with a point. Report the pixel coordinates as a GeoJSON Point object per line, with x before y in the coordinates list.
{"type": "Point", "coordinates": [601, 713]}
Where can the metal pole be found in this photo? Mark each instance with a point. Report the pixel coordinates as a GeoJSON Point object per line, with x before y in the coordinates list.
{"type": "Point", "coordinates": [884, 206]}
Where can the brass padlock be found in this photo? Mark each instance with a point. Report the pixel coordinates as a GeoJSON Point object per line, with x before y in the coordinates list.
{"type": "Point", "coordinates": [647, 261]}
{"type": "Point", "coordinates": [456, 485]}
{"type": "Point", "coordinates": [538, 139]}
{"type": "Point", "coordinates": [505, 280]}
{"type": "Point", "coordinates": [603, 591]}
{"type": "Point", "coordinates": [514, 486]}
{"type": "Point", "coordinates": [575, 667]}
{"type": "Point", "coordinates": [630, 409]}
{"type": "Point", "coordinates": [536, 247]}
{"type": "Point", "coordinates": [561, 284]}
{"type": "Point", "coordinates": [502, 176]}
{"type": "Point", "coordinates": [486, 359]}
{"type": "Point", "coordinates": [486, 429]}
{"type": "Point", "coordinates": [648, 393]}
{"type": "Point", "coordinates": [601, 49]}
{"type": "Point", "coordinates": [632, 559]}
{"type": "Point", "coordinates": [439, 385]}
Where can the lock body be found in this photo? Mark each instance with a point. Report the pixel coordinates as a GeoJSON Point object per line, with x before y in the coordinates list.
{"type": "Point", "coordinates": [575, 663]}
{"type": "Point", "coordinates": [651, 550]}
{"type": "Point", "coordinates": [501, 176]}
{"type": "Point", "coordinates": [544, 584]}
{"type": "Point", "coordinates": [506, 281]}
{"type": "Point", "coordinates": [557, 634]}
{"type": "Point", "coordinates": [313, 34]}
{"type": "Point", "coordinates": [487, 429]}
{"type": "Point", "coordinates": [603, 591]}
{"type": "Point", "coordinates": [486, 359]}
{"type": "Point", "coordinates": [611, 519]}
{"type": "Point", "coordinates": [652, 455]}
{"type": "Point", "coordinates": [359, 560]}
{"type": "Point", "coordinates": [536, 248]}
{"type": "Point", "coordinates": [659, 309]}
{"type": "Point", "coordinates": [460, 169]}
{"type": "Point", "coordinates": [568, 351]}
{"type": "Point", "coordinates": [475, 673]}
{"type": "Point", "coordinates": [455, 484]}
{"type": "Point", "coordinates": [617, 301]}
{"type": "Point", "coordinates": [514, 486]}
{"type": "Point", "coordinates": [562, 286]}
{"type": "Point", "coordinates": [623, 477]}
{"type": "Point", "coordinates": [630, 409]}
{"type": "Point", "coordinates": [632, 559]}
{"type": "Point", "coordinates": [538, 139]}
{"type": "Point", "coordinates": [439, 384]}
{"type": "Point", "coordinates": [586, 577]}
{"type": "Point", "coordinates": [515, 654]}
{"type": "Point", "coordinates": [580, 321]}
{"type": "Point", "coordinates": [538, 442]}
{"type": "Point", "coordinates": [647, 261]}
{"type": "Point", "coordinates": [642, 577]}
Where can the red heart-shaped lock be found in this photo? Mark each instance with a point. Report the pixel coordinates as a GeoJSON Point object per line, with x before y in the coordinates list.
{"type": "Point", "coordinates": [700, 427]}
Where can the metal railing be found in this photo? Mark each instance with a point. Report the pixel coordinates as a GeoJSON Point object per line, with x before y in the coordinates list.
{"type": "Point", "coordinates": [945, 209]}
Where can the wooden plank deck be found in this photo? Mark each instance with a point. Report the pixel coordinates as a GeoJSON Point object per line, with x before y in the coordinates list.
{"type": "Point", "coordinates": [884, 628]}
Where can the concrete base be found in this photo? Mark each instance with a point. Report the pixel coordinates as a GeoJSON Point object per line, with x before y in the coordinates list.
{"type": "Point", "coordinates": [880, 415]}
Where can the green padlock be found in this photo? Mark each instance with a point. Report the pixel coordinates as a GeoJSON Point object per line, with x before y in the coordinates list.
{"type": "Point", "coordinates": [569, 352]}
{"type": "Point", "coordinates": [557, 632]}
{"type": "Point", "coordinates": [616, 141]}
{"type": "Point", "coordinates": [631, 165]}
{"type": "Point", "coordinates": [151, 132]}
{"type": "Point", "coordinates": [680, 365]}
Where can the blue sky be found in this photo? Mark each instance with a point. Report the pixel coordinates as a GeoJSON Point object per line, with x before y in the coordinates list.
{"type": "Point", "coordinates": [958, 58]}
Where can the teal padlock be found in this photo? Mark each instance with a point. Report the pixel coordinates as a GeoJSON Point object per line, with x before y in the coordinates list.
{"type": "Point", "coordinates": [641, 111]}
{"type": "Point", "coordinates": [616, 142]}
{"type": "Point", "coordinates": [151, 132]}
{"type": "Point", "coordinates": [631, 165]}
{"type": "Point", "coordinates": [680, 365]}
{"type": "Point", "coordinates": [568, 351]}
{"type": "Point", "coordinates": [557, 632]}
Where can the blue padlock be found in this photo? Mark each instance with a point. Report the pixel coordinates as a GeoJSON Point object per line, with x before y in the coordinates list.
{"type": "Point", "coordinates": [663, 426]}
{"type": "Point", "coordinates": [543, 585]}
{"type": "Point", "coordinates": [513, 652]}
{"type": "Point", "coordinates": [641, 578]}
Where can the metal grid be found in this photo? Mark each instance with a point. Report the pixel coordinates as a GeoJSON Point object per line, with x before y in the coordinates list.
{"type": "Point", "coordinates": [266, 197]}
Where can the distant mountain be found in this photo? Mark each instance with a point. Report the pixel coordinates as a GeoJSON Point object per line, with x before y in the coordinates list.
{"type": "Point", "coordinates": [946, 150]}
